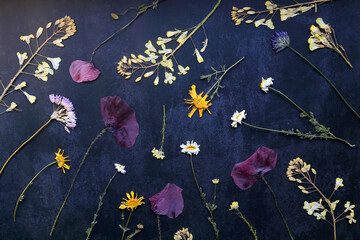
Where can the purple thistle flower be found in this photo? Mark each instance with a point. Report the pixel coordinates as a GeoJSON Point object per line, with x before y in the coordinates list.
{"type": "Point", "coordinates": [280, 41]}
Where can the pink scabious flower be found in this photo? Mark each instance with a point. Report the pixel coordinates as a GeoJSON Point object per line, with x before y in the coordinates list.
{"type": "Point", "coordinates": [64, 112]}
{"type": "Point", "coordinates": [246, 173]}
{"type": "Point", "coordinates": [120, 119]}
{"type": "Point", "coordinates": [82, 71]}
{"type": "Point", "coordinates": [168, 202]}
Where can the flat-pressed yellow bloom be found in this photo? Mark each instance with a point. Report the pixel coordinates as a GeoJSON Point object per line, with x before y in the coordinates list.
{"type": "Point", "coordinates": [29, 97]}
{"type": "Point", "coordinates": [198, 102]}
{"type": "Point", "coordinates": [132, 202]}
{"type": "Point", "coordinates": [21, 57]}
{"type": "Point", "coordinates": [215, 181]}
{"type": "Point", "coordinates": [12, 107]}
{"type": "Point", "coordinates": [27, 38]}
{"type": "Point", "coordinates": [61, 160]}
{"type": "Point", "coordinates": [234, 205]}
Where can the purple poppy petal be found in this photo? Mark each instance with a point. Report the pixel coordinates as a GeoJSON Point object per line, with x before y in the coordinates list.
{"type": "Point", "coordinates": [168, 202]}
{"type": "Point", "coordinates": [246, 173]}
{"type": "Point", "coordinates": [82, 71]}
{"type": "Point", "coordinates": [120, 118]}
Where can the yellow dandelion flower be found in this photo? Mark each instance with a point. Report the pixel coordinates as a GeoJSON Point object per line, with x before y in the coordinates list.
{"type": "Point", "coordinates": [132, 202]}
{"type": "Point", "coordinates": [61, 160]}
{"type": "Point", "coordinates": [198, 102]}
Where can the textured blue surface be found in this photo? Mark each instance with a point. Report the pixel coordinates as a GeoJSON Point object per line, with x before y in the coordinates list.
{"type": "Point", "coordinates": [221, 145]}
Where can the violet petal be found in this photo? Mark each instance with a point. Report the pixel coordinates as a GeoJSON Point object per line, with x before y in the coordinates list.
{"type": "Point", "coordinates": [246, 173]}
{"type": "Point", "coordinates": [82, 71]}
{"type": "Point", "coordinates": [168, 202]}
{"type": "Point", "coordinates": [120, 118]}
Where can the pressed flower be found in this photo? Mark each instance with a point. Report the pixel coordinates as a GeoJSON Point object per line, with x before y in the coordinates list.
{"type": "Point", "coordinates": [349, 207]}
{"type": "Point", "coordinates": [198, 56]}
{"type": "Point", "coordinates": [44, 67]}
{"type": "Point", "coordinates": [55, 62]}
{"type": "Point", "coordinates": [183, 70]}
{"type": "Point", "coordinates": [183, 234]}
{"type": "Point", "coordinates": [41, 76]}
{"type": "Point", "coordinates": [323, 25]}
{"type": "Point", "coordinates": [27, 38]}
{"type": "Point", "coordinates": [156, 81]}
{"type": "Point", "coordinates": [148, 74]}
{"type": "Point", "coordinates": [140, 226]}
{"type": "Point", "coordinates": [120, 168]}
{"type": "Point", "coordinates": [20, 86]}
{"type": "Point", "coordinates": [215, 181]}
{"type": "Point", "coordinates": [169, 78]}
{"type": "Point", "coordinates": [158, 153]}
{"type": "Point", "coordinates": [198, 102]}
{"type": "Point", "coordinates": [168, 202]}
{"type": "Point", "coordinates": [164, 50]}
{"type": "Point", "coordinates": [132, 201]}
{"type": "Point", "coordinates": [172, 33]}
{"type": "Point", "coordinates": [182, 37]}
{"type": "Point", "coordinates": [12, 107]}
{"type": "Point", "coordinates": [168, 63]}
{"type": "Point", "coordinates": [351, 217]}
{"type": "Point", "coordinates": [29, 97]}
{"type": "Point", "coordinates": [266, 83]}
{"type": "Point", "coordinates": [150, 46]}
{"type": "Point", "coordinates": [190, 148]}
{"type": "Point", "coordinates": [234, 206]}
{"type": "Point", "coordinates": [21, 57]}
{"type": "Point", "coordinates": [64, 113]}
{"type": "Point", "coordinates": [246, 173]}
{"type": "Point", "coordinates": [334, 204]}
{"type": "Point", "coordinates": [312, 207]}
{"type": "Point", "coordinates": [58, 42]}
{"type": "Point", "coordinates": [338, 183]}
{"type": "Point", "coordinates": [120, 119]}
{"type": "Point", "coordinates": [280, 41]}
{"type": "Point", "coordinates": [150, 58]}
{"type": "Point", "coordinates": [270, 6]}
{"type": "Point", "coordinates": [237, 118]}
{"type": "Point", "coordinates": [39, 32]}
{"type": "Point", "coordinates": [205, 43]}
{"type": "Point", "coordinates": [162, 41]}
{"type": "Point", "coordinates": [61, 160]}
{"type": "Point", "coordinates": [82, 71]}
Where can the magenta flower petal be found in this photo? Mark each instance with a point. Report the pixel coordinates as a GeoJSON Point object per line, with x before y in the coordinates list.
{"type": "Point", "coordinates": [120, 119]}
{"type": "Point", "coordinates": [168, 202]}
{"type": "Point", "coordinates": [82, 71]}
{"type": "Point", "coordinates": [246, 173]}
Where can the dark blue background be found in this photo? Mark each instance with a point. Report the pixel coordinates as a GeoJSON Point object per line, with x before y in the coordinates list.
{"type": "Point", "coordinates": [221, 145]}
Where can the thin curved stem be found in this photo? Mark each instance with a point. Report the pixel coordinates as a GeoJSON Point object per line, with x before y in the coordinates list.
{"type": "Point", "coordinates": [88, 232]}
{"type": "Point", "coordinates": [140, 12]}
{"type": "Point", "coordinates": [276, 204]}
{"type": "Point", "coordinates": [73, 181]}
{"type": "Point", "coordinates": [28, 185]}
{"type": "Point", "coordinates": [163, 129]}
{"type": "Point", "coordinates": [252, 230]}
{"type": "Point", "coordinates": [331, 84]}
{"type": "Point", "coordinates": [262, 128]}
{"type": "Point", "coordinates": [159, 227]}
{"type": "Point", "coordinates": [18, 149]}
{"type": "Point", "coordinates": [126, 225]}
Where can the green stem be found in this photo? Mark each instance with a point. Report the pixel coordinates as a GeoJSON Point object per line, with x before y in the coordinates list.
{"type": "Point", "coordinates": [88, 232]}
{"type": "Point", "coordinates": [27, 186]}
{"type": "Point", "coordinates": [159, 228]}
{"type": "Point", "coordinates": [140, 12]}
{"type": "Point", "coordinates": [331, 84]}
{"type": "Point", "coordinates": [225, 72]}
{"type": "Point", "coordinates": [203, 198]}
{"type": "Point", "coordinates": [163, 130]}
{"type": "Point", "coordinates": [73, 181]}
{"type": "Point", "coordinates": [276, 204]}
{"type": "Point", "coordinates": [214, 194]}
{"type": "Point", "coordinates": [127, 223]}
{"type": "Point", "coordinates": [242, 217]}
{"type": "Point", "coordinates": [266, 129]}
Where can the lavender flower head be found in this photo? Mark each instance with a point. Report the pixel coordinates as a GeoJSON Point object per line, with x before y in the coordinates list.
{"type": "Point", "coordinates": [280, 41]}
{"type": "Point", "coordinates": [64, 113]}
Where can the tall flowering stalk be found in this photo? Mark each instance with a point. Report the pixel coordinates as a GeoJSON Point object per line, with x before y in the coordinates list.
{"type": "Point", "coordinates": [60, 159]}
{"type": "Point", "coordinates": [164, 57]}
{"type": "Point", "coordinates": [63, 113]}
{"type": "Point", "coordinates": [84, 71]}
{"type": "Point", "coordinates": [194, 148]}
{"type": "Point", "coordinates": [250, 15]}
{"type": "Point", "coordinates": [235, 206]}
{"type": "Point", "coordinates": [300, 172]}
{"type": "Point", "coordinates": [281, 40]}
{"type": "Point", "coordinates": [321, 132]}
{"type": "Point", "coordinates": [62, 29]}
{"type": "Point", "coordinates": [159, 154]}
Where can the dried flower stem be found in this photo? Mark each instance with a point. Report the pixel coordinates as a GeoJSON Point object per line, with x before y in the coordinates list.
{"type": "Point", "coordinates": [214, 194]}
{"type": "Point", "coordinates": [73, 181]}
{"type": "Point", "coordinates": [252, 230]}
{"type": "Point", "coordinates": [202, 195]}
{"type": "Point", "coordinates": [18, 149]}
{"type": "Point", "coordinates": [125, 229]}
{"type": "Point", "coordinates": [331, 84]}
{"type": "Point", "coordinates": [141, 10]}
{"type": "Point", "coordinates": [276, 204]}
{"type": "Point", "coordinates": [159, 227]}
{"type": "Point", "coordinates": [93, 223]}
{"type": "Point", "coordinates": [163, 129]}
{"type": "Point", "coordinates": [28, 185]}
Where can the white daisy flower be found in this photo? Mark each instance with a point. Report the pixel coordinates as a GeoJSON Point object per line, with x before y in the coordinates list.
{"type": "Point", "coordinates": [190, 148]}
{"type": "Point", "coordinates": [237, 117]}
{"type": "Point", "coordinates": [120, 168]}
{"type": "Point", "coordinates": [266, 83]}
